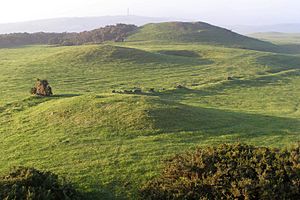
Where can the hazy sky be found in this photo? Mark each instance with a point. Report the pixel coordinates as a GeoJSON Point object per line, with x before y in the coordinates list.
{"type": "Point", "coordinates": [213, 11]}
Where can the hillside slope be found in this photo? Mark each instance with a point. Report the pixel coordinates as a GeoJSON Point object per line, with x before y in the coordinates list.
{"type": "Point", "coordinates": [167, 32]}
{"type": "Point", "coordinates": [108, 144]}
{"type": "Point", "coordinates": [126, 115]}
{"type": "Point", "coordinates": [198, 32]}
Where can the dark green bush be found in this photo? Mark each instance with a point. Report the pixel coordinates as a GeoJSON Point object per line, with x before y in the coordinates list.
{"type": "Point", "coordinates": [229, 172]}
{"type": "Point", "coordinates": [31, 184]}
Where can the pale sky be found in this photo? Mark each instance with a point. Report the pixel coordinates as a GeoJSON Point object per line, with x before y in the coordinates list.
{"type": "Point", "coordinates": [213, 11]}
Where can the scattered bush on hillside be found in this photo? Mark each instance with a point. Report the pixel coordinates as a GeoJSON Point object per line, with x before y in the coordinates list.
{"type": "Point", "coordinates": [132, 91]}
{"type": "Point", "coordinates": [41, 88]}
{"type": "Point", "coordinates": [229, 172]}
{"type": "Point", "coordinates": [29, 183]}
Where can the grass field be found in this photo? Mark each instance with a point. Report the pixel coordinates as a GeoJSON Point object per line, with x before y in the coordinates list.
{"type": "Point", "coordinates": [109, 144]}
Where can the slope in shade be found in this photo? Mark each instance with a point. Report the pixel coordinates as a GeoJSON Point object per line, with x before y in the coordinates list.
{"type": "Point", "coordinates": [198, 32]}
{"type": "Point", "coordinates": [93, 54]}
{"type": "Point", "coordinates": [108, 53]}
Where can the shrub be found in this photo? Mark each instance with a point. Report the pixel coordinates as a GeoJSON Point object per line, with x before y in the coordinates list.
{"type": "Point", "coordinates": [29, 183]}
{"type": "Point", "coordinates": [229, 172]}
{"type": "Point", "coordinates": [41, 88]}
{"type": "Point", "coordinates": [33, 90]}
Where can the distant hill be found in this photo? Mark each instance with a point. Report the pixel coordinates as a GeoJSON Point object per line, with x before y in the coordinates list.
{"type": "Point", "coordinates": [116, 33]}
{"type": "Point", "coordinates": [285, 28]}
{"type": "Point", "coordinates": [278, 37]}
{"type": "Point", "coordinates": [288, 42]}
{"type": "Point", "coordinates": [198, 32]}
{"type": "Point", "coordinates": [174, 32]}
{"type": "Point", "coordinates": [79, 24]}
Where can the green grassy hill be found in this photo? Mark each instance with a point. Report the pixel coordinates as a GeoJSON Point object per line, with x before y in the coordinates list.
{"type": "Point", "coordinates": [109, 144]}
{"type": "Point", "coordinates": [198, 32]}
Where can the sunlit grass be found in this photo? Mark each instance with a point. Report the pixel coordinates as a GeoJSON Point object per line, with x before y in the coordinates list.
{"type": "Point", "coordinates": [109, 144]}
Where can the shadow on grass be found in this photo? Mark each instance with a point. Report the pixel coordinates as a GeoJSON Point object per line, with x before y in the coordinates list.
{"type": "Point", "coordinates": [262, 81]}
{"type": "Point", "coordinates": [192, 126]}
{"type": "Point", "coordinates": [182, 53]}
{"type": "Point", "coordinates": [180, 94]}
{"type": "Point", "coordinates": [107, 192]}
{"type": "Point", "coordinates": [291, 48]}
{"type": "Point", "coordinates": [65, 95]}
{"type": "Point", "coordinates": [179, 117]}
{"type": "Point", "coordinates": [279, 62]}
{"type": "Point", "coordinates": [281, 68]}
{"type": "Point", "coordinates": [236, 83]}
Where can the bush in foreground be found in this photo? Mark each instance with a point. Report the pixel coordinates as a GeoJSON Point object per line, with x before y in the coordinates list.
{"type": "Point", "coordinates": [28, 183]}
{"type": "Point", "coordinates": [229, 172]}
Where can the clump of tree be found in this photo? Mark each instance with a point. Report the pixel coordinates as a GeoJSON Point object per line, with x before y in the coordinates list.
{"type": "Point", "coordinates": [20, 39]}
{"type": "Point", "coordinates": [116, 33]}
{"type": "Point", "coordinates": [29, 183]}
{"type": "Point", "coordinates": [41, 88]}
{"type": "Point", "coordinates": [235, 171]}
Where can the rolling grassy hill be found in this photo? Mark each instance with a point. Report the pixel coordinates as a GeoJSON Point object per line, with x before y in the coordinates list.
{"type": "Point", "coordinates": [277, 37]}
{"type": "Point", "coordinates": [289, 42]}
{"type": "Point", "coordinates": [109, 144]}
{"type": "Point", "coordinates": [167, 32]}
{"type": "Point", "coordinates": [198, 32]}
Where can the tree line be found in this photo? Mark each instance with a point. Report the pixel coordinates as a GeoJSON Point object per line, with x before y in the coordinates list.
{"type": "Point", "coordinates": [116, 33]}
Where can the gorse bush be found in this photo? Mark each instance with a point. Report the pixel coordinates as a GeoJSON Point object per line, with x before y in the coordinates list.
{"type": "Point", "coordinates": [28, 183]}
{"type": "Point", "coordinates": [229, 172]}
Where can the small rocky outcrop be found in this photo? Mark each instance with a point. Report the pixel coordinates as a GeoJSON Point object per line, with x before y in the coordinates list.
{"type": "Point", "coordinates": [41, 88]}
